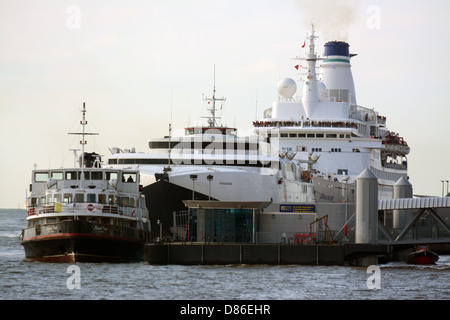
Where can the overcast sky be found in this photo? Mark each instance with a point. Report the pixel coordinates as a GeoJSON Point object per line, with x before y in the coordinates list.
{"type": "Point", "coordinates": [138, 64]}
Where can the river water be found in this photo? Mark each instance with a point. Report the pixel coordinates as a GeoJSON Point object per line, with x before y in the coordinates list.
{"type": "Point", "coordinates": [20, 279]}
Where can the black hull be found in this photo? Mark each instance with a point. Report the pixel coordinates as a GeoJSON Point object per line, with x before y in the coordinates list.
{"type": "Point", "coordinates": [82, 241]}
{"type": "Point", "coordinates": [82, 248]}
{"type": "Point", "coordinates": [162, 199]}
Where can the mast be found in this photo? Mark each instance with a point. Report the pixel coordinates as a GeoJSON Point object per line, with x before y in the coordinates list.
{"type": "Point", "coordinates": [212, 120]}
{"type": "Point", "coordinates": [83, 133]}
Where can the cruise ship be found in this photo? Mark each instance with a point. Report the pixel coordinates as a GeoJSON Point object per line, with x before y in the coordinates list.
{"type": "Point", "coordinates": [305, 152]}
{"type": "Point", "coordinates": [327, 123]}
{"type": "Point", "coordinates": [211, 162]}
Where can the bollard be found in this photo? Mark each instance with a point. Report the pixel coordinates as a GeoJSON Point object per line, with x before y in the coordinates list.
{"type": "Point", "coordinates": [402, 189]}
{"type": "Point", "coordinates": [366, 208]}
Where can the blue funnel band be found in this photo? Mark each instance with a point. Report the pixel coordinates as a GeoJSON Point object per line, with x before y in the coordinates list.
{"type": "Point", "coordinates": [337, 48]}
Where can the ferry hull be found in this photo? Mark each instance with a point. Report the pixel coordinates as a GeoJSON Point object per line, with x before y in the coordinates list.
{"type": "Point", "coordinates": [81, 241]}
{"type": "Point", "coordinates": [82, 248]}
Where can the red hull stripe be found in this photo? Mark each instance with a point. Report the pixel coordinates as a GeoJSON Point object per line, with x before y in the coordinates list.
{"type": "Point", "coordinates": [79, 235]}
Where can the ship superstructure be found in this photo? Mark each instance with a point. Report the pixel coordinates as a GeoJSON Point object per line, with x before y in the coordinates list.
{"type": "Point", "coordinates": [327, 124]}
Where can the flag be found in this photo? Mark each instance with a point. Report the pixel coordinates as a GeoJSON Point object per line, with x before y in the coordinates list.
{"type": "Point", "coordinates": [297, 66]}
{"type": "Point", "coordinates": [304, 44]}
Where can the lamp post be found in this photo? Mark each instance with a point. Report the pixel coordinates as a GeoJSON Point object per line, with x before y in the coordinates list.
{"type": "Point", "coordinates": [209, 177]}
{"type": "Point", "coordinates": [193, 178]}
{"type": "Point", "coordinates": [160, 230]}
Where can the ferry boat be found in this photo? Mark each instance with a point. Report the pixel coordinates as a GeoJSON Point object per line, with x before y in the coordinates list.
{"type": "Point", "coordinates": [85, 214]}
{"type": "Point", "coordinates": [327, 123]}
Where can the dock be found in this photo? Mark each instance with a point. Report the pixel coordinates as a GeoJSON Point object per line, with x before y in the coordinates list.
{"type": "Point", "coordinates": [262, 254]}
{"type": "Point", "coordinates": [227, 233]}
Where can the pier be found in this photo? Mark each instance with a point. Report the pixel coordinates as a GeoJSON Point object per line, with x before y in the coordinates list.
{"type": "Point", "coordinates": [222, 233]}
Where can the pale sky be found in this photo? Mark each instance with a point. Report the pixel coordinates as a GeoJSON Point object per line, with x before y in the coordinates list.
{"type": "Point", "coordinates": [138, 64]}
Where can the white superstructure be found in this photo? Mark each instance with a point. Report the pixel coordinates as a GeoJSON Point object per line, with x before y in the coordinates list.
{"type": "Point", "coordinates": [327, 123]}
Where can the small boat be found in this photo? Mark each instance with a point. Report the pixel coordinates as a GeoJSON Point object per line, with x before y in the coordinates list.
{"type": "Point", "coordinates": [422, 255]}
{"type": "Point", "coordinates": [86, 214]}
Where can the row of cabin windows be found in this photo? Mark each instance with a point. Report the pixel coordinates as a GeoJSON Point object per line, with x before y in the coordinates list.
{"type": "Point", "coordinates": [101, 198]}
{"type": "Point", "coordinates": [312, 135]}
{"type": "Point", "coordinates": [88, 175]}
{"type": "Point", "coordinates": [302, 148]}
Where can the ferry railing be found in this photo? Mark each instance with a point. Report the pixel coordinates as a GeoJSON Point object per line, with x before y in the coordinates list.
{"type": "Point", "coordinates": [77, 207]}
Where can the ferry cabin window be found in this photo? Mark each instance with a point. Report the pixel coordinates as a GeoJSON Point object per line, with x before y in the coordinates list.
{"type": "Point", "coordinates": [96, 175]}
{"type": "Point", "coordinates": [284, 135]}
{"type": "Point", "coordinates": [58, 175]}
{"type": "Point", "coordinates": [40, 176]}
{"type": "Point", "coordinates": [302, 135]}
{"type": "Point", "coordinates": [311, 135]}
{"type": "Point", "coordinates": [331, 135]}
{"type": "Point", "coordinates": [79, 197]}
{"type": "Point", "coordinates": [57, 197]}
{"type": "Point", "coordinates": [91, 197]}
{"type": "Point", "coordinates": [319, 135]}
{"type": "Point", "coordinates": [68, 198]}
{"type": "Point", "coordinates": [111, 175]}
{"type": "Point", "coordinates": [71, 175]}
{"type": "Point", "coordinates": [102, 198]}
{"type": "Point", "coordinates": [129, 177]}
{"type": "Point", "coordinates": [342, 171]}
{"type": "Point", "coordinates": [301, 148]}
{"type": "Point", "coordinates": [87, 175]}
{"type": "Point", "coordinates": [292, 135]}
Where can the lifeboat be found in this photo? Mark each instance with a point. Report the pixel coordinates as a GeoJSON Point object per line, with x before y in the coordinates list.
{"type": "Point", "coordinates": [422, 255]}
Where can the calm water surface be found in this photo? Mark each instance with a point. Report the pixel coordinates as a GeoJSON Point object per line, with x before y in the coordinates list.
{"type": "Point", "coordinates": [20, 279]}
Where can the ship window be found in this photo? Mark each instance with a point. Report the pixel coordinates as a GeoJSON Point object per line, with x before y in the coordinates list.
{"type": "Point", "coordinates": [331, 135]}
{"type": "Point", "coordinates": [341, 136]}
{"type": "Point", "coordinates": [87, 175]}
{"type": "Point", "coordinates": [316, 149]}
{"type": "Point", "coordinates": [342, 171]}
{"type": "Point", "coordinates": [311, 135]}
{"type": "Point", "coordinates": [34, 201]}
{"type": "Point", "coordinates": [57, 197]}
{"type": "Point", "coordinates": [67, 198]}
{"type": "Point", "coordinates": [292, 135]}
{"type": "Point", "coordinates": [102, 198]}
{"type": "Point", "coordinates": [302, 135]}
{"type": "Point", "coordinates": [284, 135]}
{"type": "Point", "coordinates": [129, 177]}
{"type": "Point", "coordinates": [91, 197]}
{"type": "Point", "coordinates": [111, 175]}
{"type": "Point", "coordinates": [96, 175]}
{"type": "Point", "coordinates": [79, 197]}
{"type": "Point", "coordinates": [40, 176]}
{"type": "Point", "coordinates": [319, 135]}
{"type": "Point", "coordinates": [58, 175]}
{"type": "Point", "coordinates": [71, 175]}
{"type": "Point", "coordinates": [125, 201]}
{"type": "Point", "coordinates": [112, 161]}
{"type": "Point", "coordinates": [301, 148]}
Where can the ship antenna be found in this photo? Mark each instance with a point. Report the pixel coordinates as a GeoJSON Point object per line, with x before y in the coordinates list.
{"type": "Point", "coordinates": [212, 119]}
{"type": "Point", "coordinates": [83, 141]}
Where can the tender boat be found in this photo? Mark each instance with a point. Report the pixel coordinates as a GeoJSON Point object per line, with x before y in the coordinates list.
{"type": "Point", "coordinates": [86, 213]}
{"type": "Point", "coordinates": [422, 255]}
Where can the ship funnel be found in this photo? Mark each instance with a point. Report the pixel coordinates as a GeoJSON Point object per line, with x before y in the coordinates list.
{"type": "Point", "coordinates": [336, 72]}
